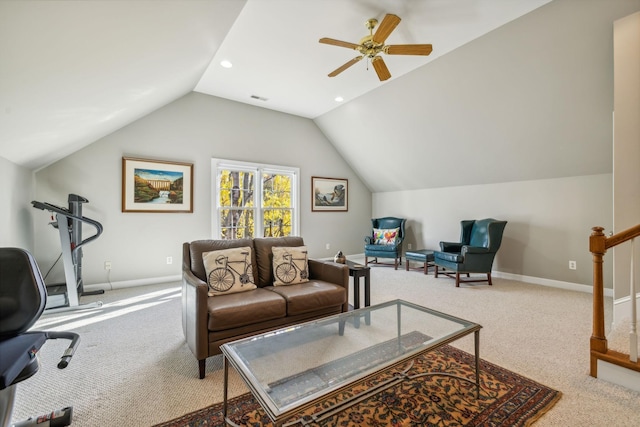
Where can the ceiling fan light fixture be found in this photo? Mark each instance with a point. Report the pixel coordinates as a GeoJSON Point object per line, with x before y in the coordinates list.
{"type": "Point", "coordinates": [373, 45]}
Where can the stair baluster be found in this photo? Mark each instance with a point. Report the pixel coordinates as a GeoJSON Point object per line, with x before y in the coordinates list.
{"type": "Point", "coordinates": [633, 334]}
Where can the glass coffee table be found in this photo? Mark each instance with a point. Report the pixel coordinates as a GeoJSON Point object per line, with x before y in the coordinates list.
{"type": "Point", "coordinates": [291, 369]}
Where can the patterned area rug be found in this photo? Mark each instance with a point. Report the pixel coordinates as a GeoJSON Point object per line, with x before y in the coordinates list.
{"type": "Point", "coordinates": [506, 399]}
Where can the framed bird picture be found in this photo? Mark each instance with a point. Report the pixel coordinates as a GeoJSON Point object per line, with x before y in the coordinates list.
{"type": "Point", "coordinates": [329, 194]}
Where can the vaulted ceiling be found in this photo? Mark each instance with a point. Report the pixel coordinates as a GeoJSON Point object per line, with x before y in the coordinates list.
{"type": "Point", "coordinates": [72, 72]}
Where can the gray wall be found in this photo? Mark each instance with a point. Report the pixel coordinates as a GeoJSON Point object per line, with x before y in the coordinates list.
{"type": "Point", "coordinates": [549, 222]}
{"type": "Point", "coordinates": [521, 114]}
{"type": "Point", "coordinates": [193, 129]}
{"type": "Point", "coordinates": [15, 216]}
{"type": "Point", "coordinates": [537, 91]}
{"type": "Point", "coordinates": [529, 104]}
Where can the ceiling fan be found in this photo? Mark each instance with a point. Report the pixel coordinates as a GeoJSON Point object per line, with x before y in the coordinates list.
{"type": "Point", "coordinates": [372, 45]}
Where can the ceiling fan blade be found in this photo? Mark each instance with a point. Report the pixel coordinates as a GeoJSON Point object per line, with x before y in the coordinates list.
{"type": "Point", "coordinates": [340, 43]}
{"type": "Point", "coordinates": [381, 68]}
{"type": "Point", "coordinates": [388, 24]}
{"type": "Point", "coordinates": [345, 66]}
{"type": "Point", "coordinates": [408, 49]}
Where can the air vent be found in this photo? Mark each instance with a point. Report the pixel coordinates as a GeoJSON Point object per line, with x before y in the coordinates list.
{"type": "Point", "coordinates": [259, 98]}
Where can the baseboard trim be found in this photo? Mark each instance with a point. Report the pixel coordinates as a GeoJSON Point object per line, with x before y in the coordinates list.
{"type": "Point", "coordinates": [618, 375]}
{"type": "Point", "coordinates": [550, 282]}
{"type": "Point", "coordinates": [131, 283]}
{"type": "Point", "coordinates": [498, 274]}
{"type": "Point", "coordinates": [534, 280]}
{"type": "Point", "coordinates": [622, 308]}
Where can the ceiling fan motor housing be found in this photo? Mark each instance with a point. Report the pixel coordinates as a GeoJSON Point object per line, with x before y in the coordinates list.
{"type": "Point", "coordinates": [373, 44]}
{"type": "Point", "coordinates": [370, 48]}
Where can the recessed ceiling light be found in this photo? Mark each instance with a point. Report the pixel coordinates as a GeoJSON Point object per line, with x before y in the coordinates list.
{"type": "Point", "coordinates": [226, 64]}
{"type": "Point", "coordinates": [339, 99]}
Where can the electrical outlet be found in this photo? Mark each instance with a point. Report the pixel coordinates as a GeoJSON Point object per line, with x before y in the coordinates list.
{"type": "Point", "coordinates": [328, 246]}
{"type": "Point", "coordinates": [169, 260]}
{"type": "Point", "coordinates": [409, 246]}
{"type": "Point", "coordinates": [572, 265]}
{"type": "Point", "coordinates": [107, 265]}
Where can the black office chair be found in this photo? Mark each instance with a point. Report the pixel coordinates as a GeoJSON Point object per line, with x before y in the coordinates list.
{"type": "Point", "coordinates": [23, 296]}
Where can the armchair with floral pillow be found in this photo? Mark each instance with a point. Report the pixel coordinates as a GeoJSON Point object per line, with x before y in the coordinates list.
{"type": "Point", "coordinates": [385, 240]}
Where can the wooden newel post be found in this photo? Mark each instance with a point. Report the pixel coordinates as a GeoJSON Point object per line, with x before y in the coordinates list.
{"type": "Point", "coordinates": [597, 247]}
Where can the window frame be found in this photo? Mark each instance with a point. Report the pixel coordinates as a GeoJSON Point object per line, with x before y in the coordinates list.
{"type": "Point", "coordinates": [258, 169]}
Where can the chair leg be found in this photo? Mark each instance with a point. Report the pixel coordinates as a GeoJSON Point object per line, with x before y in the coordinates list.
{"type": "Point", "coordinates": [407, 265]}
{"type": "Point", "coordinates": [395, 263]}
{"type": "Point", "coordinates": [489, 279]}
{"type": "Point", "coordinates": [436, 272]}
{"type": "Point", "coordinates": [366, 260]}
{"type": "Point", "coordinates": [426, 268]}
{"type": "Point", "coordinates": [458, 279]}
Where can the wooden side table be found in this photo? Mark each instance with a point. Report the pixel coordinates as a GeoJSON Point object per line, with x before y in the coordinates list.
{"type": "Point", "coordinates": [357, 271]}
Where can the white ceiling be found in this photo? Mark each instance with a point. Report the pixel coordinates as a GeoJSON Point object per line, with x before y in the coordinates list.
{"type": "Point", "coordinates": [72, 72]}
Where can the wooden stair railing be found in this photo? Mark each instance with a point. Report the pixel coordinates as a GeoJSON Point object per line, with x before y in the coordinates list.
{"type": "Point", "coordinates": [598, 245]}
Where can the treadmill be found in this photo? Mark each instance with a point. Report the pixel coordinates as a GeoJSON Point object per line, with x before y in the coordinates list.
{"type": "Point", "coordinates": [69, 222]}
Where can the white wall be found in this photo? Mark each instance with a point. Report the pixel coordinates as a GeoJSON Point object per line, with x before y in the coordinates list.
{"type": "Point", "coordinates": [549, 221]}
{"type": "Point", "coordinates": [193, 129]}
{"type": "Point", "coordinates": [15, 215]}
{"type": "Point", "coordinates": [626, 158]}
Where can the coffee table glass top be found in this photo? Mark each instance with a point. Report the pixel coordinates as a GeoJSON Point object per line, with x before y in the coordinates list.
{"type": "Point", "coordinates": [290, 367]}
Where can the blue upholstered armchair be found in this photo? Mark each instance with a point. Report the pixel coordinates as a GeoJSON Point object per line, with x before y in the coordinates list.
{"type": "Point", "coordinates": [479, 242]}
{"type": "Point", "coordinates": [385, 240]}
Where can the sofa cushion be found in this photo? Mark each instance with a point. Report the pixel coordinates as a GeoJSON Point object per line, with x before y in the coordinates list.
{"type": "Point", "coordinates": [198, 247]}
{"type": "Point", "coordinates": [245, 308]}
{"type": "Point", "coordinates": [263, 252]}
{"type": "Point", "coordinates": [310, 296]}
{"type": "Point", "coordinates": [290, 265]}
{"type": "Point", "coordinates": [385, 236]}
{"type": "Point", "coordinates": [229, 270]}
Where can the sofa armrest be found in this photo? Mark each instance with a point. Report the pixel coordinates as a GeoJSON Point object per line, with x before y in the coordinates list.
{"type": "Point", "coordinates": [450, 246]}
{"type": "Point", "coordinates": [331, 272]}
{"type": "Point", "coordinates": [194, 313]}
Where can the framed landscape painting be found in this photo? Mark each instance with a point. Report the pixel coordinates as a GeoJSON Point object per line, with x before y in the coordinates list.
{"type": "Point", "coordinates": [156, 186]}
{"type": "Point", "coordinates": [329, 194]}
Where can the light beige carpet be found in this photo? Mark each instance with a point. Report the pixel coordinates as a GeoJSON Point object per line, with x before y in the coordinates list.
{"type": "Point", "coordinates": [133, 368]}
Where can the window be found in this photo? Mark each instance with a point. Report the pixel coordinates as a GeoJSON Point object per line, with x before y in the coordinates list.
{"type": "Point", "coordinates": [253, 200]}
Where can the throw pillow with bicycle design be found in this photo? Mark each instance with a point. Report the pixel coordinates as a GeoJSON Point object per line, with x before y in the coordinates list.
{"type": "Point", "coordinates": [229, 271]}
{"type": "Point", "coordinates": [290, 265]}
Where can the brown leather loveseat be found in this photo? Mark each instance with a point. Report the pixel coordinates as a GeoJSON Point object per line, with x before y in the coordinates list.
{"type": "Point", "coordinates": [210, 321]}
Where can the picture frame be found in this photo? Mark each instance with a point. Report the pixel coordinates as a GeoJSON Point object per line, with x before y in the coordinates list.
{"type": "Point", "coordinates": [156, 186]}
{"type": "Point", "coordinates": [329, 194]}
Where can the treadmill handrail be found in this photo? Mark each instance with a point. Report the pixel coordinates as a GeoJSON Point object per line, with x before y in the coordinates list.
{"type": "Point", "coordinates": [66, 213]}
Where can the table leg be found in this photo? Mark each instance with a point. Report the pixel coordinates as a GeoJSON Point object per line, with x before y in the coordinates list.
{"type": "Point", "coordinates": [356, 291]}
{"type": "Point", "coordinates": [225, 368]}
{"type": "Point", "coordinates": [356, 298]}
{"type": "Point", "coordinates": [476, 338]}
{"type": "Point", "coordinates": [367, 295]}
{"type": "Point", "coordinates": [367, 289]}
